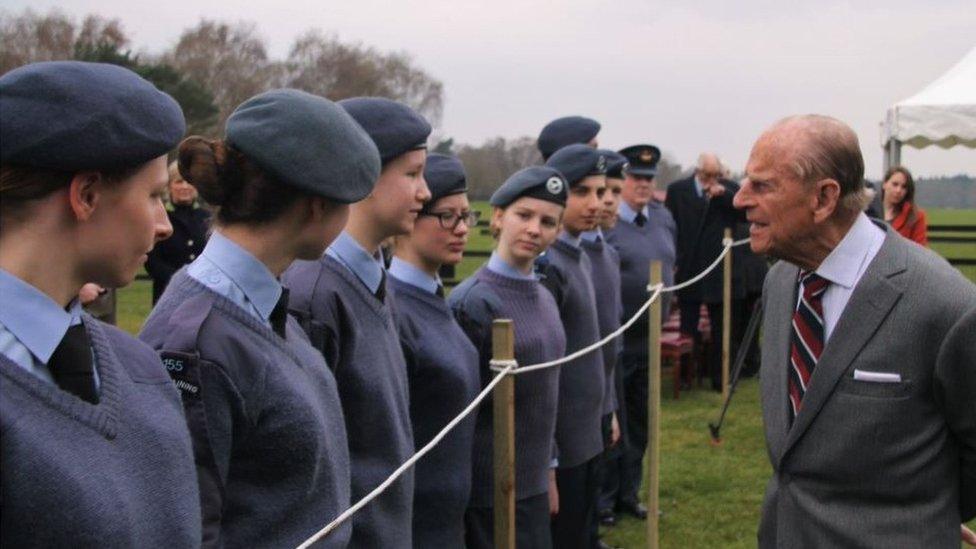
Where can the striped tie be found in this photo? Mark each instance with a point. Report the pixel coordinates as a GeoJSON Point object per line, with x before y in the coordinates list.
{"type": "Point", "coordinates": [807, 341]}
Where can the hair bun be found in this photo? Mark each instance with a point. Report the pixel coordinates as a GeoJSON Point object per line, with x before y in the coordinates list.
{"type": "Point", "coordinates": [201, 163]}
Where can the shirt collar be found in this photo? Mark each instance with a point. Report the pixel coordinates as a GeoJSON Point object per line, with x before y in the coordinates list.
{"type": "Point", "coordinates": [848, 260]}
{"type": "Point", "coordinates": [260, 287]}
{"type": "Point", "coordinates": [499, 266]}
{"type": "Point", "coordinates": [573, 241]}
{"type": "Point", "coordinates": [33, 317]}
{"type": "Point", "coordinates": [595, 235]}
{"type": "Point", "coordinates": [410, 274]}
{"type": "Point", "coordinates": [628, 214]}
{"type": "Point", "coordinates": [368, 269]}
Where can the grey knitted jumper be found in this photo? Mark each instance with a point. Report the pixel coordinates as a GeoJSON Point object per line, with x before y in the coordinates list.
{"type": "Point", "coordinates": [116, 474]}
{"type": "Point", "coordinates": [605, 264]}
{"type": "Point", "coordinates": [539, 337]}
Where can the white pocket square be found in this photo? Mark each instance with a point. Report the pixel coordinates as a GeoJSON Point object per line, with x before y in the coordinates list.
{"type": "Point", "coordinates": [876, 377]}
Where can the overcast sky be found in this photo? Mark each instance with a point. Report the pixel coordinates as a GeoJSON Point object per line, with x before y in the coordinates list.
{"type": "Point", "coordinates": [686, 78]}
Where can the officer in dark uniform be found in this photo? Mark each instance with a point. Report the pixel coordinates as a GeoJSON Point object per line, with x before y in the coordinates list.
{"type": "Point", "coordinates": [191, 224]}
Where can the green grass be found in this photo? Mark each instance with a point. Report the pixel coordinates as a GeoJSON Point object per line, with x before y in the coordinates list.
{"type": "Point", "coordinates": [710, 496]}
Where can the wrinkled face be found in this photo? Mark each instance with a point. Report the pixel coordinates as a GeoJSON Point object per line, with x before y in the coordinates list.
{"type": "Point", "coordinates": [611, 202]}
{"type": "Point", "coordinates": [895, 188]}
{"type": "Point", "coordinates": [437, 245]}
{"type": "Point", "coordinates": [583, 204]}
{"type": "Point", "coordinates": [527, 227]}
{"type": "Point", "coordinates": [128, 220]}
{"type": "Point", "coordinates": [400, 193]}
{"type": "Point", "coordinates": [181, 192]}
{"type": "Point", "coordinates": [637, 190]}
{"type": "Point", "coordinates": [779, 206]}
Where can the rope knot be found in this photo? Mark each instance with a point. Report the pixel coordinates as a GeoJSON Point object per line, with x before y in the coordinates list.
{"type": "Point", "coordinates": [499, 365]}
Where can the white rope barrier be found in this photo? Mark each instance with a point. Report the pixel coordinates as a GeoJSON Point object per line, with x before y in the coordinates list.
{"type": "Point", "coordinates": [511, 367]}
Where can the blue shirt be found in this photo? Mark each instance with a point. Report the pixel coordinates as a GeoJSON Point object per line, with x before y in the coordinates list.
{"type": "Point", "coordinates": [368, 269]}
{"type": "Point", "coordinates": [234, 273]}
{"type": "Point", "coordinates": [32, 326]}
{"type": "Point", "coordinates": [499, 266]}
{"type": "Point", "coordinates": [699, 188]}
{"type": "Point", "coordinates": [596, 235]}
{"type": "Point", "coordinates": [410, 274]}
{"type": "Point", "coordinates": [628, 214]}
{"type": "Point", "coordinates": [573, 241]}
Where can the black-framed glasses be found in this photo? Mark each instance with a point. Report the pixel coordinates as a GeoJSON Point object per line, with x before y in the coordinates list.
{"type": "Point", "coordinates": [450, 220]}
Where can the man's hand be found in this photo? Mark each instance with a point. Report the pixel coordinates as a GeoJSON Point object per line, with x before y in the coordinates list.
{"type": "Point", "coordinates": [968, 536]}
{"type": "Point", "coordinates": [90, 292]}
{"type": "Point", "coordinates": [614, 430]}
{"type": "Point", "coordinates": [553, 494]}
{"type": "Point", "coordinates": [715, 190]}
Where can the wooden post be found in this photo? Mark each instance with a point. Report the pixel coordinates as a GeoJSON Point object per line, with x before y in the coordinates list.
{"type": "Point", "coordinates": [503, 348]}
{"type": "Point", "coordinates": [652, 478]}
{"type": "Point", "coordinates": [726, 315]}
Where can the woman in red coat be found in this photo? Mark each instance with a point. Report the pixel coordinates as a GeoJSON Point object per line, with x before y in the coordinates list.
{"type": "Point", "coordinates": [900, 211]}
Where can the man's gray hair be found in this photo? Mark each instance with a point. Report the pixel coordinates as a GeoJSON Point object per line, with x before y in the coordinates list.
{"type": "Point", "coordinates": [829, 150]}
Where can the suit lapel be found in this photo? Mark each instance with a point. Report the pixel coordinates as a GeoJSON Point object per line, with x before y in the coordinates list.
{"type": "Point", "coordinates": [872, 300]}
{"type": "Point", "coordinates": [778, 305]}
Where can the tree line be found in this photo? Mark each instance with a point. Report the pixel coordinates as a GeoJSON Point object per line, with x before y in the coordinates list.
{"type": "Point", "coordinates": [216, 65]}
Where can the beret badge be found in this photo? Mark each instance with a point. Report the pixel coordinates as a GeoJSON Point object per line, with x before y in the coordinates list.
{"type": "Point", "coordinates": [554, 185]}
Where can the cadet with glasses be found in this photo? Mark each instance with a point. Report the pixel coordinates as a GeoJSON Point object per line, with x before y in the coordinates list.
{"type": "Point", "coordinates": [442, 364]}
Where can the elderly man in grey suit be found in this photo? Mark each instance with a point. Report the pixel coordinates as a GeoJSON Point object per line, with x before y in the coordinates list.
{"type": "Point", "coordinates": [868, 360]}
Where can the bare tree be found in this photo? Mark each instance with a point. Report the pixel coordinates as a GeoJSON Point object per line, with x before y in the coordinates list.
{"type": "Point", "coordinates": [490, 164]}
{"type": "Point", "coordinates": [230, 60]}
{"type": "Point", "coordinates": [29, 37]}
{"type": "Point", "coordinates": [321, 64]}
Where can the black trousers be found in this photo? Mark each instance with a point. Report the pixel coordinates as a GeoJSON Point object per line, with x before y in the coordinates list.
{"type": "Point", "coordinates": [690, 315]}
{"type": "Point", "coordinates": [635, 390]}
{"type": "Point", "coordinates": [613, 461]}
{"type": "Point", "coordinates": [602, 468]}
{"type": "Point", "coordinates": [741, 315]}
{"type": "Point", "coordinates": [578, 492]}
{"type": "Point", "coordinates": [531, 525]}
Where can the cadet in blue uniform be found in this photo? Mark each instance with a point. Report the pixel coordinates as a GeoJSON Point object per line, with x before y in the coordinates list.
{"type": "Point", "coordinates": [566, 271]}
{"type": "Point", "coordinates": [567, 130]}
{"type": "Point", "coordinates": [95, 451]}
{"type": "Point", "coordinates": [645, 231]}
{"type": "Point", "coordinates": [343, 303]}
{"type": "Point", "coordinates": [605, 264]}
{"type": "Point", "coordinates": [190, 223]}
{"type": "Point", "coordinates": [527, 210]}
{"type": "Point", "coordinates": [442, 364]}
{"type": "Point", "coordinates": [261, 403]}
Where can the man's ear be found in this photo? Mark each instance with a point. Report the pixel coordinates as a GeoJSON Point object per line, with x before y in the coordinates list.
{"type": "Point", "coordinates": [84, 194]}
{"type": "Point", "coordinates": [826, 200]}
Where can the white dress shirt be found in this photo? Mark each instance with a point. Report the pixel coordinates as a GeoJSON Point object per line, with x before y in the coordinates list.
{"type": "Point", "coordinates": [845, 266]}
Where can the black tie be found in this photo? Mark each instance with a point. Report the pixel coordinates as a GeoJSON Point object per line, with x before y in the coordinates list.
{"type": "Point", "coordinates": [71, 365]}
{"type": "Point", "coordinates": [279, 315]}
{"type": "Point", "coordinates": [440, 290]}
{"type": "Point", "coordinates": [381, 289]}
{"type": "Point", "coordinates": [640, 220]}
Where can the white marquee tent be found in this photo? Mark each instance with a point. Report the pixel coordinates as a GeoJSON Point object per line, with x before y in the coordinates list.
{"type": "Point", "coordinates": [943, 114]}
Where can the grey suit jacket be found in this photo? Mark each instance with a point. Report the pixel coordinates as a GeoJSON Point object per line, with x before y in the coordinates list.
{"type": "Point", "coordinates": [875, 464]}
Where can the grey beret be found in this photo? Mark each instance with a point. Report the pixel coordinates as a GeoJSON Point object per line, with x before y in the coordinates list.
{"type": "Point", "coordinates": [307, 142]}
{"type": "Point", "coordinates": [566, 131]}
{"type": "Point", "coordinates": [70, 116]}
{"type": "Point", "coordinates": [393, 126]}
{"type": "Point", "coordinates": [445, 176]}
{"type": "Point", "coordinates": [576, 162]}
{"type": "Point", "coordinates": [616, 163]}
{"type": "Point", "coordinates": [540, 182]}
